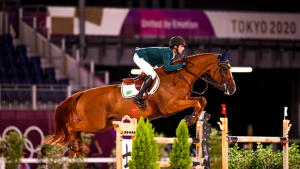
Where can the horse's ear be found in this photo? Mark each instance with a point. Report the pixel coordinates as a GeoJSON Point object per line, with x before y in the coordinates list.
{"type": "Point", "coordinates": [223, 56]}
{"type": "Point", "coordinates": [227, 54]}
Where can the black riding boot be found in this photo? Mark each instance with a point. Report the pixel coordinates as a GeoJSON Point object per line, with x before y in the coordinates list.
{"type": "Point", "coordinates": [138, 99]}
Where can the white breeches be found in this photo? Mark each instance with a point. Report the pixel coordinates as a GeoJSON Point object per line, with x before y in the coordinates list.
{"type": "Point", "coordinates": [144, 66]}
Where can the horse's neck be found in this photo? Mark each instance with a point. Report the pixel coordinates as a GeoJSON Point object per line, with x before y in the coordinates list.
{"type": "Point", "coordinates": [202, 65]}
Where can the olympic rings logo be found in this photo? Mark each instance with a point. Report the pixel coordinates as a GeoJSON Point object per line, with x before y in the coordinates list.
{"type": "Point", "coordinates": [28, 143]}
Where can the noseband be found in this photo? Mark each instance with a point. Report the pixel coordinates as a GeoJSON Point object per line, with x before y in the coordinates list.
{"type": "Point", "coordinates": [208, 79]}
{"type": "Point", "coordinates": [221, 69]}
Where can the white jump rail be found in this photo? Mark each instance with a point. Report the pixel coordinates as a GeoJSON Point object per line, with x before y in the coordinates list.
{"type": "Point", "coordinates": [64, 159]}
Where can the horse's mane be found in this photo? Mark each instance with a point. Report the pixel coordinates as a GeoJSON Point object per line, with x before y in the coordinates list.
{"type": "Point", "coordinates": [191, 56]}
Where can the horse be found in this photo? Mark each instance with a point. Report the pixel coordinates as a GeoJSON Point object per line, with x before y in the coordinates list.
{"type": "Point", "coordinates": [99, 107]}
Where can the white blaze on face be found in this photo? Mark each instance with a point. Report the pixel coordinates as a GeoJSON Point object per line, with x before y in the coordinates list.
{"type": "Point", "coordinates": [225, 85]}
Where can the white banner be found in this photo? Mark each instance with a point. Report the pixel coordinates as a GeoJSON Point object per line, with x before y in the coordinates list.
{"type": "Point", "coordinates": [255, 25]}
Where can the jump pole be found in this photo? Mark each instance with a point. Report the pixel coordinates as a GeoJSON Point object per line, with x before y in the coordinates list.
{"type": "Point", "coordinates": [123, 129]}
{"type": "Point", "coordinates": [226, 139]}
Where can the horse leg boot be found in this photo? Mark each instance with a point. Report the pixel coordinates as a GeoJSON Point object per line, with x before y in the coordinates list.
{"type": "Point", "coordinates": [78, 145]}
{"type": "Point", "coordinates": [138, 99]}
{"type": "Point", "coordinates": [190, 120]}
{"type": "Point", "coordinates": [75, 147]}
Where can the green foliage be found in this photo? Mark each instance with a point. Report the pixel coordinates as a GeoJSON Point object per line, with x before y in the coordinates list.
{"type": "Point", "coordinates": [294, 155]}
{"type": "Point", "coordinates": [262, 158]}
{"type": "Point", "coordinates": [86, 139]}
{"type": "Point", "coordinates": [180, 158]}
{"type": "Point", "coordinates": [161, 147]}
{"type": "Point", "coordinates": [154, 151]}
{"type": "Point", "coordinates": [12, 149]}
{"type": "Point", "coordinates": [215, 150]}
{"type": "Point", "coordinates": [112, 155]}
{"type": "Point", "coordinates": [143, 149]}
{"type": "Point", "coordinates": [53, 155]}
{"type": "Point", "coordinates": [77, 163]}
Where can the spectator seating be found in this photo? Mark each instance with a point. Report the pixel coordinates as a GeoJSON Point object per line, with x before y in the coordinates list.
{"type": "Point", "coordinates": [4, 71]}
{"type": "Point", "coordinates": [64, 81]}
{"type": "Point", "coordinates": [42, 94]}
{"type": "Point", "coordinates": [27, 72]}
{"type": "Point", "coordinates": [13, 60]}
{"type": "Point", "coordinates": [30, 80]}
{"type": "Point", "coordinates": [8, 93]}
{"type": "Point", "coordinates": [3, 61]}
{"type": "Point", "coordinates": [9, 49]}
{"type": "Point", "coordinates": [1, 50]}
{"type": "Point", "coordinates": [50, 73]}
{"type": "Point", "coordinates": [24, 61]}
{"type": "Point", "coordinates": [57, 95]}
{"type": "Point", "coordinates": [7, 39]}
{"type": "Point", "coordinates": [22, 96]}
{"type": "Point", "coordinates": [35, 61]}
{"type": "Point", "coordinates": [16, 68]}
{"type": "Point", "coordinates": [38, 72]}
{"type": "Point", "coordinates": [16, 71]}
{"type": "Point", "coordinates": [21, 50]}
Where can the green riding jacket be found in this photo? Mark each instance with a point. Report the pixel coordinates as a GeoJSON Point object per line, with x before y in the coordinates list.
{"type": "Point", "coordinates": [159, 55]}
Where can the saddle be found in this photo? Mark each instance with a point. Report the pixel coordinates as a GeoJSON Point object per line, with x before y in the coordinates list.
{"type": "Point", "coordinates": [131, 87]}
{"type": "Point", "coordinates": [138, 81]}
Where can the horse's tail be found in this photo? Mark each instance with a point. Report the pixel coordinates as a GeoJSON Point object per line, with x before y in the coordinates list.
{"type": "Point", "coordinates": [64, 113]}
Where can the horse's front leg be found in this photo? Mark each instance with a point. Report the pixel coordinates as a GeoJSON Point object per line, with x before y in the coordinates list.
{"type": "Point", "coordinates": [184, 104]}
{"type": "Point", "coordinates": [202, 102]}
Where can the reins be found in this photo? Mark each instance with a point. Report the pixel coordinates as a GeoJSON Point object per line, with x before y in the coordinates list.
{"type": "Point", "coordinates": [205, 78]}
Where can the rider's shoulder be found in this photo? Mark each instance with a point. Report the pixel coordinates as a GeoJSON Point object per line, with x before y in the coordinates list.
{"type": "Point", "coordinates": [158, 48]}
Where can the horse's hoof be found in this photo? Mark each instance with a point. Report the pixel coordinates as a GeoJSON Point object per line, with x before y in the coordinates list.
{"type": "Point", "coordinates": [66, 153]}
{"type": "Point", "coordinates": [72, 154]}
{"type": "Point", "coordinates": [187, 118]}
{"type": "Point", "coordinates": [77, 154]}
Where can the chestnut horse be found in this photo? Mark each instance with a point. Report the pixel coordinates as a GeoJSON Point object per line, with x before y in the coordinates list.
{"type": "Point", "coordinates": [98, 107]}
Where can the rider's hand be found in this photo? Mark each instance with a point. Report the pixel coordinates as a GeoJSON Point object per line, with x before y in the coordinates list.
{"type": "Point", "coordinates": [184, 63]}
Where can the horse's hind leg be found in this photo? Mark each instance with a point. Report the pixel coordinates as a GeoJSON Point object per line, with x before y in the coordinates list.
{"type": "Point", "coordinates": [108, 125]}
{"type": "Point", "coordinates": [76, 145]}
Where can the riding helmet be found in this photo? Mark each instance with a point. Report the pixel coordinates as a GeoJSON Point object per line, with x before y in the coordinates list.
{"type": "Point", "coordinates": [176, 41]}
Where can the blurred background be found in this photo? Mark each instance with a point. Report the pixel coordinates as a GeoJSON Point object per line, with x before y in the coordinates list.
{"type": "Point", "coordinates": [52, 49]}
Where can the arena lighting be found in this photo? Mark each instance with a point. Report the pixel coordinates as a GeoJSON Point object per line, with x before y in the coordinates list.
{"type": "Point", "coordinates": [241, 69]}
{"type": "Point", "coordinates": [233, 70]}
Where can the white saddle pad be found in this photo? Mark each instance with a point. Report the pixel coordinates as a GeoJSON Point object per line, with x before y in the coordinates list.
{"type": "Point", "coordinates": [129, 91]}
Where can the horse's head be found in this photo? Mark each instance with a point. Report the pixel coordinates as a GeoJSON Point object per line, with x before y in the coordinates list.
{"type": "Point", "coordinates": [222, 75]}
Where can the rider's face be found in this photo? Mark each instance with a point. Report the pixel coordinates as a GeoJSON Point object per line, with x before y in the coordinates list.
{"type": "Point", "coordinates": [180, 49]}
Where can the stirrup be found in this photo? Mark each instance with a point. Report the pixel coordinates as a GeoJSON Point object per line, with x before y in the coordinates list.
{"type": "Point", "coordinates": [142, 105]}
{"type": "Point", "coordinates": [140, 102]}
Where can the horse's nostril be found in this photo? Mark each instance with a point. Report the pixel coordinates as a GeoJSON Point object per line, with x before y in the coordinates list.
{"type": "Point", "coordinates": [232, 89]}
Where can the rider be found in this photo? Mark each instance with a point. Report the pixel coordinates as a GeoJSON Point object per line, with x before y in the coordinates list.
{"type": "Point", "coordinates": [147, 58]}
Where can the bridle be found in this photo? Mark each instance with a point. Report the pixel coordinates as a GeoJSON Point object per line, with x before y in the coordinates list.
{"type": "Point", "coordinates": [206, 78]}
